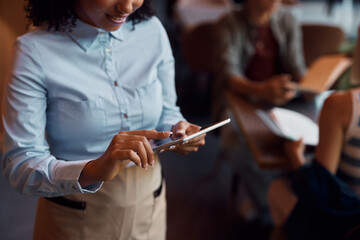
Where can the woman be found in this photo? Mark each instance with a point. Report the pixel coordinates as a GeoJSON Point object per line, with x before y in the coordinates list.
{"type": "Point", "coordinates": [262, 51]}
{"type": "Point", "coordinates": [262, 60]}
{"type": "Point", "coordinates": [323, 197]}
{"type": "Point", "coordinates": [88, 91]}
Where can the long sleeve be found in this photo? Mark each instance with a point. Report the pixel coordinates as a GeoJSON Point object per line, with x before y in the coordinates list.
{"type": "Point", "coordinates": [26, 161]}
{"type": "Point", "coordinates": [231, 41]}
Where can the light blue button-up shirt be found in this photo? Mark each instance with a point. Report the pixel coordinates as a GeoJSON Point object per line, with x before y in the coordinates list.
{"type": "Point", "coordinates": [68, 94]}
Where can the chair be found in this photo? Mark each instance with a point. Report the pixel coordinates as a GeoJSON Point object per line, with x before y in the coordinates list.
{"type": "Point", "coordinates": [200, 51]}
{"type": "Point", "coordinates": [6, 41]}
{"type": "Point", "coordinates": [12, 24]}
{"type": "Point", "coordinates": [320, 39]}
{"type": "Point", "coordinates": [200, 48]}
{"type": "Point", "coordinates": [355, 71]}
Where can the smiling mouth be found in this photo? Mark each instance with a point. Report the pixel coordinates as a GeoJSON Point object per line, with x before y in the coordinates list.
{"type": "Point", "coordinates": [116, 19]}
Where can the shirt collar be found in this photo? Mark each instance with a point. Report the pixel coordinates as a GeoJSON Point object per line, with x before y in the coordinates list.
{"type": "Point", "coordinates": [85, 35]}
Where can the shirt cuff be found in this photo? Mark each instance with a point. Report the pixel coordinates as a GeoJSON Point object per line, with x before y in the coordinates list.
{"type": "Point", "coordinates": [67, 175]}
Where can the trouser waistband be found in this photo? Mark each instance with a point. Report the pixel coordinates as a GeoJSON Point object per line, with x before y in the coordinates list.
{"type": "Point", "coordinates": [80, 205]}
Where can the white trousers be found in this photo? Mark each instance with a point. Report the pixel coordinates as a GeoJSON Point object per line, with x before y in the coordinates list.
{"type": "Point", "coordinates": [123, 209]}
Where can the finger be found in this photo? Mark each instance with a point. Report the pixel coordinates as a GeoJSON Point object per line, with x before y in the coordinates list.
{"type": "Point", "coordinates": [127, 154]}
{"type": "Point", "coordinates": [285, 77]}
{"type": "Point", "coordinates": [149, 158]}
{"type": "Point", "coordinates": [290, 85]}
{"type": "Point", "coordinates": [141, 152]}
{"type": "Point", "coordinates": [149, 152]}
{"type": "Point", "coordinates": [288, 88]}
{"type": "Point", "coordinates": [191, 145]}
{"type": "Point", "coordinates": [150, 134]}
{"type": "Point", "coordinates": [179, 129]}
{"type": "Point", "coordinates": [143, 148]}
{"type": "Point", "coordinates": [135, 158]}
{"type": "Point", "coordinates": [290, 94]}
{"type": "Point", "coordinates": [198, 141]}
{"type": "Point", "coordinates": [189, 128]}
{"type": "Point", "coordinates": [171, 148]}
{"type": "Point", "coordinates": [184, 149]}
{"type": "Point", "coordinates": [140, 145]}
{"type": "Point", "coordinates": [195, 144]}
{"type": "Point", "coordinates": [192, 129]}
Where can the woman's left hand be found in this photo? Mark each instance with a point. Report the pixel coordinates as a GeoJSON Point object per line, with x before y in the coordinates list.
{"type": "Point", "coordinates": [183, 129]}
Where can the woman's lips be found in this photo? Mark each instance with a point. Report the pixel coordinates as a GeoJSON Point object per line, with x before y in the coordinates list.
{"type": "Point", "coordinates": [116, 19]}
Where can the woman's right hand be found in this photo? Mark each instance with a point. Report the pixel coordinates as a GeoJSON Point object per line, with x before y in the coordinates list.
{"type": "Point", "coordinates": [126, 146]}
{"type": "Point", "coordinates": [279, 89]}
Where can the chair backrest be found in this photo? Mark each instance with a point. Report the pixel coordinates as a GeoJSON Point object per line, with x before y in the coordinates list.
{"type": "Point", "coordinates": [320, 39]}
{"type": "Point", "coordinates": [200, 47]}
{"type": "Point", "coordinates": [6, 40]}
{"type": "Point", "coordinates": [355, 71]}
{"type": "Point", "coordinates": [12, 24]}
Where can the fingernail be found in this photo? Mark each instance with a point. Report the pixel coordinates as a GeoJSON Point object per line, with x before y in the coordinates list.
{"type": "Point", "coordinates": [185, 142]}
{"type": "Point", "coordinates": [153, 163]}
{"type": "Point", "coordinates": [140, 165]}
{"type": "Point", "coordinates": [146, 165]}
{"type": "Point", "coordinates": [172, 147]}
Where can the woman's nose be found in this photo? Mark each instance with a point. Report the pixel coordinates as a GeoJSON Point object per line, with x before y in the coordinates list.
{"type": "Point", "coordinates": [128, 6]}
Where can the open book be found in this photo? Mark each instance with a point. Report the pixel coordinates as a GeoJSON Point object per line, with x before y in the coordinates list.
{"type": "Point", "coordinates": [290, 125]}
{"type": "Point", "coordinates": [323, 73]}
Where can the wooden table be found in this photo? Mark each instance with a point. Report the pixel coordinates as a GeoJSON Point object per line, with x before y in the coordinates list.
{"type": "Point", "coordinates": [266, 147]}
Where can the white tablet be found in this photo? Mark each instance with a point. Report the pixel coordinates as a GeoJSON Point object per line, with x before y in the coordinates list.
{"type": "Point", "coordinates": [168, 142]}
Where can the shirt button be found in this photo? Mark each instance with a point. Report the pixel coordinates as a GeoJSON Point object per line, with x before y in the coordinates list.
{"type": "Point", "coordinates": [125, 115]}
{"type": "Point", "coordinates": [108, 50]}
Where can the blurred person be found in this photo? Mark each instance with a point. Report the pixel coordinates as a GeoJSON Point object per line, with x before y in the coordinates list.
{"type": "Point", "coordinates": [261, 59]}
{"type": "Point", "coordinates": [89, 90]}
{"type": "Point", "coordinates": [262, 51]}
{"type": "Point", "coordinates": [323, 197]}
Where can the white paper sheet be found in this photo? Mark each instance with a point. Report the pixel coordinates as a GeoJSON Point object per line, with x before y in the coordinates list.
{"type": "Point", "coordinates": [291, 125]}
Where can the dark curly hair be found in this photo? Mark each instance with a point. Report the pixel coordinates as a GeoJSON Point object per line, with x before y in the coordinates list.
{"type": "Point", "coordinates": [60, 14]}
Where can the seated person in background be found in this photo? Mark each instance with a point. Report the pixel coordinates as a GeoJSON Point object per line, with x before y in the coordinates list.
{"type": "Point", "coordinates": [262, 53]}
{"type": "Point", "coordinates": [323, 197]}
{"type": "Point", "coordinates": [261, 58]}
